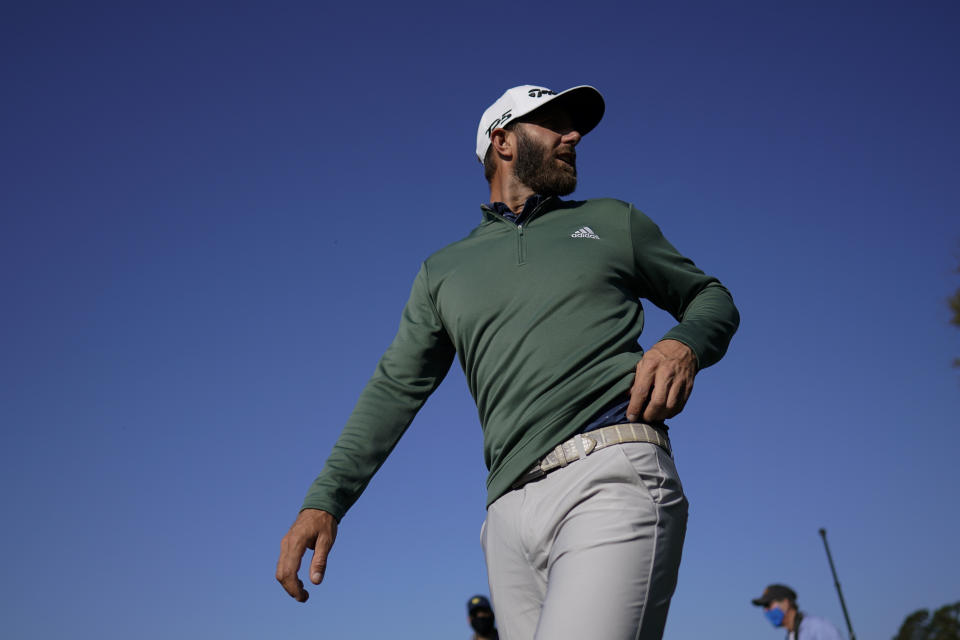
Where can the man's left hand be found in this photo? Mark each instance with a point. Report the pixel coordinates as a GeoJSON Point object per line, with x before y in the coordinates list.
{"type": "Point", "coordinates": [663, 383]}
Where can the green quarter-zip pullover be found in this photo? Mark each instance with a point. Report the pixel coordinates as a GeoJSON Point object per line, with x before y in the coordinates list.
{"type": "Point", "coordinates": [544, 317]}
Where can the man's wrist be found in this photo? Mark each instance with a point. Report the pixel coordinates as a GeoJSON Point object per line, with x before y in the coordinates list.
{"type": "Point", "coordinates": [673, 348]}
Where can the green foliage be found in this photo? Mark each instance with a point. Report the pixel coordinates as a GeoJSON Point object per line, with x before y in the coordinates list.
{"type": "Point", "coordinates": [944, 624]}
{"type": "Point", "coordinates": [954, 302]}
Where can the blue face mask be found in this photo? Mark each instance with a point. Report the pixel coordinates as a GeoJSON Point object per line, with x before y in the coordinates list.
{"type": "Point", "coordinates": [775, 616]}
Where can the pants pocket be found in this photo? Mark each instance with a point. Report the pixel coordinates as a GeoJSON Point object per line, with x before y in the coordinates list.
{"type": "Point", "coordinates": [653, 469]}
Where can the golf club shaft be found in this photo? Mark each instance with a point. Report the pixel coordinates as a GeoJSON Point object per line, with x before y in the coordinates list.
{"type": "Point", "coordinates": [836, 581]}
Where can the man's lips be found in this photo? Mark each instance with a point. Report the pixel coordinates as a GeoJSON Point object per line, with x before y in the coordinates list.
{"type": "Point", "coordinates": [568, 158]}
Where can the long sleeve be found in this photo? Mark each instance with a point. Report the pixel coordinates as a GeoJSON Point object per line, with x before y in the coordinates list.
{"type": "Point", "coordinates": [702, 306]}
{"type": "Point", "coordinates": [412, 367]}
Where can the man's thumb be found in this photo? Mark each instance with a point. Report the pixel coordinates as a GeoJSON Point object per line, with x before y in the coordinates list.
{"type": "Point", "coordinates": [318, 565]}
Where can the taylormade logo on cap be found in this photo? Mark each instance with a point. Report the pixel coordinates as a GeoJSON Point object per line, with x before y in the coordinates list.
{"type": "Point", "coordinates": [584, 103]}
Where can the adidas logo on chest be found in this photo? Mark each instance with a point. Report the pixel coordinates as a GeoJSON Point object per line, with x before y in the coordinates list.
{"type": "Point", "coordinates": [584, 232]}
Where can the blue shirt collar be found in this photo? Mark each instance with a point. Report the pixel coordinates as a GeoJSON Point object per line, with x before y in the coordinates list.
{"type": "Point", "coordinates": [532, 203]}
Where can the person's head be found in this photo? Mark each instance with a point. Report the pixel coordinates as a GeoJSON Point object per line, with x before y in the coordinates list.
{"type": "Point", "coordinates": [530, 133]}
{"type": "Point", "coordinates": [779, 604]}
{"type": "Point", "coordinates": [480, 615]}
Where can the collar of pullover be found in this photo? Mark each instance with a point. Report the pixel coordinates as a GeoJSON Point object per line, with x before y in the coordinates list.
{"type": "Point", "coordinates": [529, 206]}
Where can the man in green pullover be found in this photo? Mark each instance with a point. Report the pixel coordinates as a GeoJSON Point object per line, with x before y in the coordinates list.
{"type": "Point", "coordinates": [541, 304]}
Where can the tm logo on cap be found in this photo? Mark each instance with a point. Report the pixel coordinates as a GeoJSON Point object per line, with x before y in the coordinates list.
{"type": "Point", "coordinates": [539, 93]}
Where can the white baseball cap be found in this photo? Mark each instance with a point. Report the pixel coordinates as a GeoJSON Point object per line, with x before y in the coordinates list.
{"type": "Point", "coordinates": [584, 104]}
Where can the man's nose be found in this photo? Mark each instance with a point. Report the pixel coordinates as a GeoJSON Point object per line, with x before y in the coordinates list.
{"type": "Point", "coordinates": [571, 137]}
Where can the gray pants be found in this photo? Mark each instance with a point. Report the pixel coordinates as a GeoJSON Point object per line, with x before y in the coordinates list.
{"type": "Point", "coordinates": [591, 551]}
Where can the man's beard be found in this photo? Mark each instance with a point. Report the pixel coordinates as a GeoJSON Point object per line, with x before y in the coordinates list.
{"type": "Point", "coordinates": [537, 168]}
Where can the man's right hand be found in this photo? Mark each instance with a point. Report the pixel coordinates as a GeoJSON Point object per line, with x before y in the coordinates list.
{"type": "Point", "coordinates": [313, 529]}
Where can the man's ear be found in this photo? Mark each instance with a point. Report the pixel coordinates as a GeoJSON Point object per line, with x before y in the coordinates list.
{"type": "Point", "coordinates": [502, 142]}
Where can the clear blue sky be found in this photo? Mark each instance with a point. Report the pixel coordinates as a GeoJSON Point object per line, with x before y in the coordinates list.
{"type": "Point", "coordinates": [211, 217]}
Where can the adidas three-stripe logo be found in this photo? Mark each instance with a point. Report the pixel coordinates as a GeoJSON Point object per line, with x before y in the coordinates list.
{"type": "Point", "coordinates": [584, 232]}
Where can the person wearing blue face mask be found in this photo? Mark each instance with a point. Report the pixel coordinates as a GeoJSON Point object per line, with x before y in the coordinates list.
{"type": "Point", "coordinates": [779, 604]}
{"type": "Point", "coordinates": [481, 619]}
